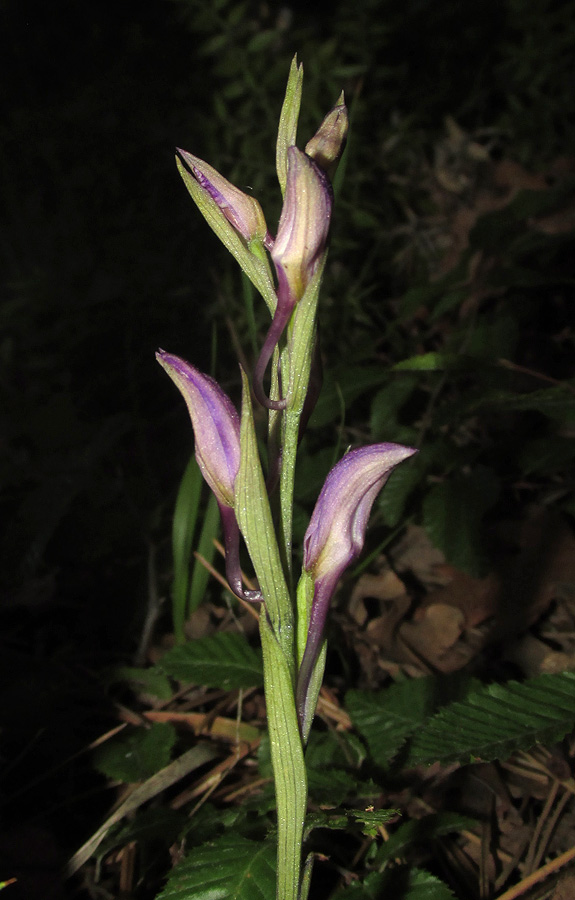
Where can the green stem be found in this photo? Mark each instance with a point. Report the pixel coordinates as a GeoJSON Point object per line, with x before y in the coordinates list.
{"type": "Point", "coordinates": [287, 761]}
{"type": "Point", "coordinates": [287, 479]}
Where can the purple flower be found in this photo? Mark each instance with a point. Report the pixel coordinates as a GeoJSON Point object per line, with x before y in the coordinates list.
{"type": "Point", "coordinates": [241, 210]}
{"type": "Point", "coordinates": [297, 250]}
{"type": "Point", "coordinates": [216, 425]}
{"type": "Point", "coordinates": [335, 537]}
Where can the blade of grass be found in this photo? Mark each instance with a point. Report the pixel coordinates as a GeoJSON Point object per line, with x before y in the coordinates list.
{"type": "Point", "coordinates": [183, 528]}
{"type": "Point", "coordinates": [207, 549]}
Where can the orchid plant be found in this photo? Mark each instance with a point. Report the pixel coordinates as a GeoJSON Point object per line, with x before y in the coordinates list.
{"type": "Point", "coordinates": [256, 507]}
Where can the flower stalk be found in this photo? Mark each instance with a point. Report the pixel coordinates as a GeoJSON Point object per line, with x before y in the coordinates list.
{"type": "Point", "coordinates": [287, 271]}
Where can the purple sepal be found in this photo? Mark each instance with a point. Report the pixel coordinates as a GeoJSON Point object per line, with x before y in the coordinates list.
{"type": "Point", "coordinates": [335, 537]}
{"type": "Point", "coordinates": [215, 421]}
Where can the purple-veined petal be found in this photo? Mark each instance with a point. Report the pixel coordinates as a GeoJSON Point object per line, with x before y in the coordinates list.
{"type": "Point", "coordinates": [216, 424]}
{"type": "Point", "coordinates": [338, 523]}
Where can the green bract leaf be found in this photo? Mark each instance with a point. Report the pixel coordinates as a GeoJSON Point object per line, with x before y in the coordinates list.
{"type": "Point", "coordinates": [289, 116]}
{"type": "Point", "coordinates": [255, 520]}
{"type": "Point", "coordinates": [220, 661]}
{"type": "Point", "coordinates": [301, 341]}
{"type": "Point", "coordinates": [497, 720]}
{"type": "Point", "coordinates": [254, 265]}
{"type": "Point", "coordinates": [231, 868]}
{"type": "Point", "coordinates": [137, 755]}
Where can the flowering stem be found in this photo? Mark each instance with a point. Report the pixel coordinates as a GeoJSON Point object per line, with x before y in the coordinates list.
{"type": "Point", "coordinates": [287, 761]}
{"type": "Point", "coordinates": [287, 478]}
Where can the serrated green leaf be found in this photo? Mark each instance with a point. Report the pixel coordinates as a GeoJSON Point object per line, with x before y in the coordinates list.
{"type": "Point", "coordinates": [333, 748]}
{"type": "Point", "coordinates": [331, 785]}
{"type": "Point", "coordinates": [423, 885]}
{"type": "Point", "coordinates": [137, 755]}
{"type": "Point", "coordinates": [386, 718]}
{"type": "Point", "coordinates": [400, 883]}
{"type": "Point", "coordinates": [220, 661]}
{"type": "Point", "coordinates": [230, 868]}
{"type": "Point", "coordinates": [496, 720]}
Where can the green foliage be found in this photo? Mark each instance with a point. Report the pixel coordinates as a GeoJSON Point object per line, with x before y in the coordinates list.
{"type": "Point", "coordinates": [497, 720]}
{"type": "Point", "coordinates": [183, 528]}
{"type": "Point", "coordinates": [206, 548]}
{"type": "Point", "coordinates": [364, 821]}
{"type": "Point", "coordinates": [229, 868]}
{"type": "Point", "coordinates": [489, 723]}
{"type": "Point", "coordinates": [138, 754]}
{"type": "Point", "coordinates": [400, 883]}
{"type": "Point", "coordinates": [387, 718]}
{"type": "Point", "coordinates": [222, 661]}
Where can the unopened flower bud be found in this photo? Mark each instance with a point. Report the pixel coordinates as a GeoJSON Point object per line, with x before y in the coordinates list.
{"type": "Point", "coordinates": [328, 143]}
{"type": "Point", "coordinates": [241, 210]}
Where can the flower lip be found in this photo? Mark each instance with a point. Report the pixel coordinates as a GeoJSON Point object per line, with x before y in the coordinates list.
{"type": "Point", "coordinates": [241, 210]}
{"type": "Point", "coordinates": [216, 424]}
